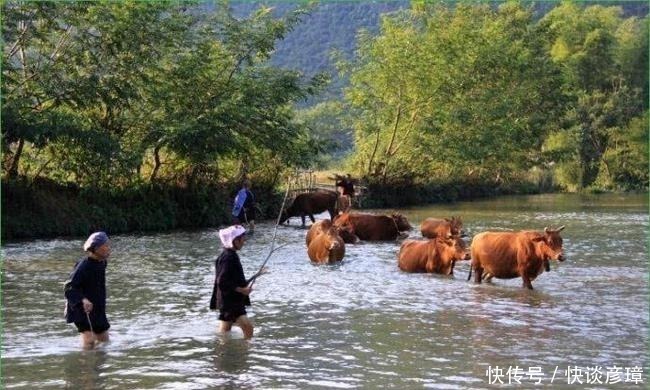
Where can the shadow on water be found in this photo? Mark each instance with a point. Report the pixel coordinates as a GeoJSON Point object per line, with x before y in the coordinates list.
{"type": "Point", "coordinates": [84, 369]}
{"type": "Point", "coordinates": [230, 354]}
{"type": "Point", "coordinates": [489, 293]}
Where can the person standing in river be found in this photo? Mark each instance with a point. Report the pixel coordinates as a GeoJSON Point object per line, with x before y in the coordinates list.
{"type": "Point", "coordinates": [230, 293]}
{"type": "Point", "coordinates": [86, 292]}
{"type": "Point", "coordinates": [243, 210]}
{"type": "Point", "coordinates": [345, 187]}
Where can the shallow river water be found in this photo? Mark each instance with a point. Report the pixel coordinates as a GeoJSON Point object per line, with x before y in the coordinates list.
{"type": "Point", "coordinates": [359, 324]}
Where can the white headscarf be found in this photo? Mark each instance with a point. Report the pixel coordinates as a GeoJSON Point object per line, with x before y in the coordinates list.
{"type": "Point", "coordinates": [228, 234]}
{"type": "Point", "coordinates": [95, 240]}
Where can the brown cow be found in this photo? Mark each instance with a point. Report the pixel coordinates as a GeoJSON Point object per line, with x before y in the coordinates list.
{"type": "Point", "coordinates": [324, 245]}
{"type": "Point", "coordinates": [433, 227]}
{"type": "Point", "coordinates": [374, 227]}
{"type": "Point", "coordinates": [311, 203]}
{"type": "Point", "coordinates": [346, 232]}
{"type": "Point", "coordinates": [508, 255]}
{"type": "Point", "coordinates": [437, 255]}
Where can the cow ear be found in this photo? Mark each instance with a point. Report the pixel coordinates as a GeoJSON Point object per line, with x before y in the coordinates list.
{"type": "Point", "coordinates": [539, 238]}
{"type": "Point", "coordinates": [448, 220]}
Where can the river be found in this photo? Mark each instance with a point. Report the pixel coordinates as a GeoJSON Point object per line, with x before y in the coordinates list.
{"type": "Point", "coordinates": [358, 324]}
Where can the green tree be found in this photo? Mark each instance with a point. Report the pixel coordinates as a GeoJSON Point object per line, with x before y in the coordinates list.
{"type": "Point", "coordinates": [460, 90]}
{"type": "Point", "coordinates": [107, 93]}
{"type": "Point", "coordinates": [604, 61]}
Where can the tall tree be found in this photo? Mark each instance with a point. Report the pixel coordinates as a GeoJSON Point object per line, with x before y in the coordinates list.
{"type": "Point", "coordinates": [460, 90]}
{"type": "Point", "coordinates": [604, 60]}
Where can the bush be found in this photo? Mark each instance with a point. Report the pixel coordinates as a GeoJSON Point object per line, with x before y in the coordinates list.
{"type": "Point", "coordinates": [46, 209]}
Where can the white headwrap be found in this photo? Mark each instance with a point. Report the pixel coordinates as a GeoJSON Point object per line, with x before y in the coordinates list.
{"type": "Point", "coordinates": [228, 234]}
{"type": "Point", "coordinates": [95, 240]}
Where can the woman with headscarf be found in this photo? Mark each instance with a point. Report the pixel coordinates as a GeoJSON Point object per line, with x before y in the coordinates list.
{"type": "Point", "coordinates": [86, 292]}
{"type": "Point", "coordinates": [231, 290]}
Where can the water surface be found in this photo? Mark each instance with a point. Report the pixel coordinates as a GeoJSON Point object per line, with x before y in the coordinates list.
{"type": "Point", "coordinates": [358, 324]}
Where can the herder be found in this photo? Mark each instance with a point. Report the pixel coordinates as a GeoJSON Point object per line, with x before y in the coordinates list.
{"type": "Point", "coordinates": [231, 290]}
{"type": "Point", "coordinates": [86, 292]}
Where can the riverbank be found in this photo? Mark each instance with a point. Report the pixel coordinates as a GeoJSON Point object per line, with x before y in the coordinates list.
{"type": "Point", "coordinates": [406, 194]}
{"type": "Point", "coordinates": [45, 209]}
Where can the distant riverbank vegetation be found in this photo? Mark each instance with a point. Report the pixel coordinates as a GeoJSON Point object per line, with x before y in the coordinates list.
{"type": "Point", "coordinates": [144, 116]}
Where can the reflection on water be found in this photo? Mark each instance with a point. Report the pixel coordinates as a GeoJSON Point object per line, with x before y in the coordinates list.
{"type": "Point", "coordinates": [82, 370]}
{"type": "Point", "coordinates": [230, 355]}
{"type": "Point", "coordinates": [360, 323]}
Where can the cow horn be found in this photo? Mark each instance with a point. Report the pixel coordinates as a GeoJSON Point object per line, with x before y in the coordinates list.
{"type": "Point", "coordinates": [546, 229]}
{"type": "Point", "coordinates": [560, 228]}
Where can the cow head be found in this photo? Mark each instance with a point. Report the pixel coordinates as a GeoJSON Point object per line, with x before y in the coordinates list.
{"type": "Point", "coordinates": [286, 214]}
{"type": "Point", "coordinates": [401, 222]}
{"type": "Point", "coordinates": [345, 227]}
{"type": "Point", "coordinates": [455, 226]}
{"type": "Point", "coordinates": [332, 238]}
{"type": "Point", "coordinates": [346, 231]}
{"type": "Point", "coordinates": [456, 249]}
{"type": "Point", "coordinates": [334, 244]}
{"type": "Point", "coordinates": [550, 244]}
{"type": "Point", "coordinates": [284, 217]}
{"type": "Point", "coordinates": [452, 249]}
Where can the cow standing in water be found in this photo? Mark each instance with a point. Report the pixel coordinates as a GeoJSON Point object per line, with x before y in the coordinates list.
{"type": "Point", "coordinates": [433, 227]}
{"type": "Point", "coordinates": [437, 255]}
{"type": "Point", "coordinates": [508, 255]}
{"type": "Point", "coordinates": [311, 203]}
{"type": "Point", "coordinates": [324, 245]}
{"type": "Point", "coordinates": [374, 227]}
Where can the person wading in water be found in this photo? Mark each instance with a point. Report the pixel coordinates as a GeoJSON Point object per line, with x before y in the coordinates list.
{"type": "Point", "coordinates": [230, 293]}
{"type": "Point", "coordinates": [243, 210]}
{"type": "Point", "coordinates": [345, 187]}
{"type": "Point", "coordinates": [86, 292]}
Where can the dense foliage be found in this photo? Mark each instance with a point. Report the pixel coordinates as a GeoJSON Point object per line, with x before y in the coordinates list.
{"type": "Point", "coordinates": [119, 94]}
{"type": "Point", "coordinates": [473, 91]}
{"type": "Point", "coordinates": [166, 103]}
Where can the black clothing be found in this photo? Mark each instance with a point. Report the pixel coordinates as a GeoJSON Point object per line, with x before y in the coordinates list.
{"type": "Point", "coordinates": [229, 275]}
{"type": "Point", "coordinates": [87, 280]}
{"type": "Point", "coordinates": [98, 327]}
{"type": "Point", "coordinates": [231, 315]}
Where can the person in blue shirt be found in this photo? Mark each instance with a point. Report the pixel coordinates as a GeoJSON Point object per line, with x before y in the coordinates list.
{"type": "Point", "coordinates": [243, 210]}
{"type": "Point", "coordinates": [86, 292]}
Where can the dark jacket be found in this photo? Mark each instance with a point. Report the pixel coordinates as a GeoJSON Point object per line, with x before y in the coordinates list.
{"type": "Point", "coordinates": [87, 280]}
{"type": "Point", "coordinates": [249, 203]}
{"type": "Point", "coordinates": [229, 275]}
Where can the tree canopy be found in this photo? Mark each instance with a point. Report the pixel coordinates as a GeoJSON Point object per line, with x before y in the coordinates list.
{"type": "Point", "coordinates": [118, 93]}
{"type": "Point", "coordinates": [471, 90]}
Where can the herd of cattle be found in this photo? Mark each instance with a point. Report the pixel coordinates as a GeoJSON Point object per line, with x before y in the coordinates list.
{"type": "Point", "coordinates": [504, 255]}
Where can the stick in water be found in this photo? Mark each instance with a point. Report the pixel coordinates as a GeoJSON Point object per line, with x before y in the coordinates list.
{"type": "Point", "coordinates": [275, 233]}
{"type": "Point", "coordinates": [91, 327]}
